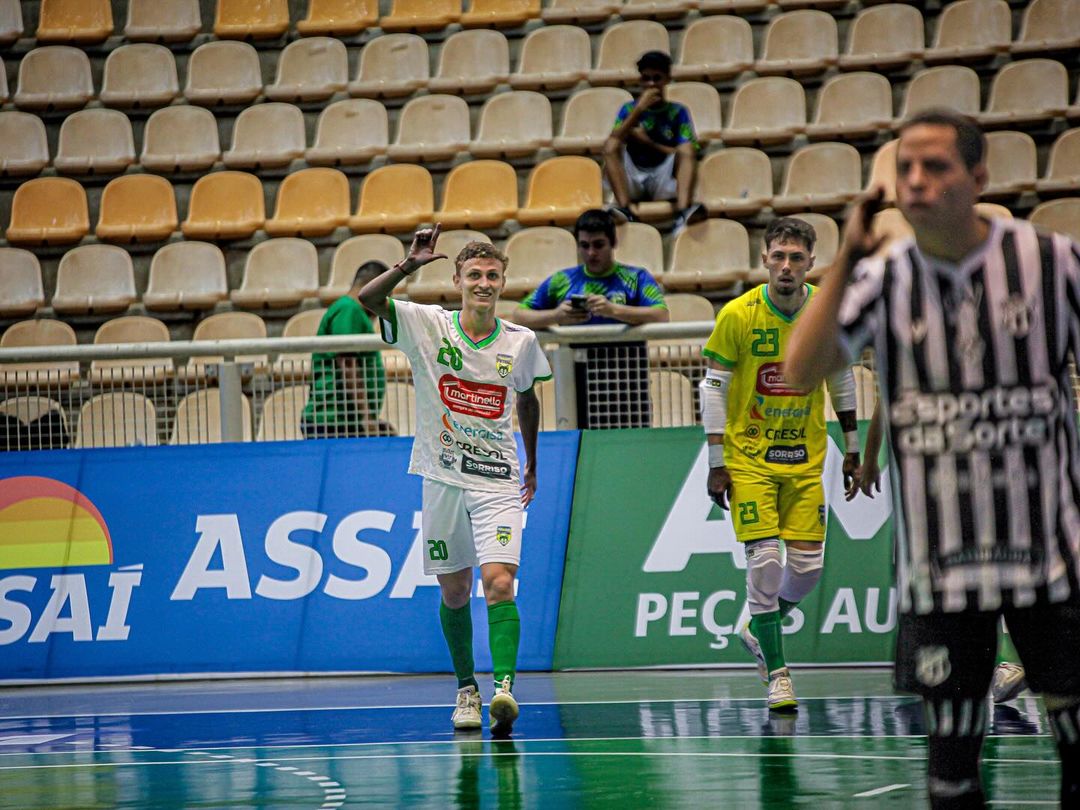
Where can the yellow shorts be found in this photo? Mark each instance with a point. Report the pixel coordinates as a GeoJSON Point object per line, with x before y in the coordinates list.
{"type": "Point", "coordinates": [763, 504]}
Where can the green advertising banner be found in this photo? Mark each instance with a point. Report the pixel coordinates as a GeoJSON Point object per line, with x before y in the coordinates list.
{"type": "Point", "coordinates": [654, 576]}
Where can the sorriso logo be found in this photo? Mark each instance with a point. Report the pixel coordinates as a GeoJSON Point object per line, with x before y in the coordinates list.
{"type": "Point", "coordinates": [771, 383]}
{"type": "Point", "coordinates": [472, 398]}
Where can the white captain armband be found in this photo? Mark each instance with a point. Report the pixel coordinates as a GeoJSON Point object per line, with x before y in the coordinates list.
{"type": "Point", "coordinates": [714, 391]}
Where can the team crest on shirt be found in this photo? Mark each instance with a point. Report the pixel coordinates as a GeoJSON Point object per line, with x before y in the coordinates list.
{"type": "Point", "coordinates": [1017, 315]}
{"type": "Point", "coordinates": [932, 666]}
{"type": "Point", "coordinates": [504, 364]}
{"type": "Point", "coordinates": [447, 459]}
{"type": "Point", "coordinates": [502, 535]}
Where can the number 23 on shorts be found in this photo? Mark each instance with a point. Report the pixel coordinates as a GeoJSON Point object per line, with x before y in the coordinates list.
{"type": "Point", "coordinates": [747, 513]}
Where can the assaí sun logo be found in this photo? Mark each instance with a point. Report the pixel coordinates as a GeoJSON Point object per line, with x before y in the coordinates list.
{"type": "Point", "coordinates": [47, 524]}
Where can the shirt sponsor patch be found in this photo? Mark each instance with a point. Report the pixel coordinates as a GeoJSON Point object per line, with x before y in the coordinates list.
{"type": "Point", "coordinates": [485, 469]}
{"type": "Point", "coordinates": [771, 383]}
{"type": "Point", "coordinates": [472, 398]}
{"type": "Point", "coordinates": [779, 454]}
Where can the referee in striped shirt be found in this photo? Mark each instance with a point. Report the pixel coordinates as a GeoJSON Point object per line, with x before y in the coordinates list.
{"type": "Point", "coordinates": [974, 323]}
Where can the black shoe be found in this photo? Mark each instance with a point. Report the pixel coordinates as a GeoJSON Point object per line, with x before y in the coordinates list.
{"type": "Point", "coordinates": [693, 213]}
{"type": "Point", "coordinates": [621, 215]}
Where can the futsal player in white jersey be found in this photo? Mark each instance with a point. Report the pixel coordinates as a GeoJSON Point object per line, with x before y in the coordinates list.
{"type": "Point", "coordinates": [469, 370]}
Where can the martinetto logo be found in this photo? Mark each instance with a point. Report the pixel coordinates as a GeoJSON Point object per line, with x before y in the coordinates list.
{"type": "Point", "coordinates": [47, 524]}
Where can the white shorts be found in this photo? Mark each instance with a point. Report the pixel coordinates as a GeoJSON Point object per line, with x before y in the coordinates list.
{"type": "Point", "coordinates": [657, 183]}
{"type": "Point", "coordinates": [463, 528]}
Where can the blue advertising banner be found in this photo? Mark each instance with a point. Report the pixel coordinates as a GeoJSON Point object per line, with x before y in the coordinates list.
{"type": "Point", "coordinates": [245, 558]}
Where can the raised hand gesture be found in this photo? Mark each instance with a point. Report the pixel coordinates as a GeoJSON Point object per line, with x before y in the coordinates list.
{"type": "Point", "coordinates": [422, 249]}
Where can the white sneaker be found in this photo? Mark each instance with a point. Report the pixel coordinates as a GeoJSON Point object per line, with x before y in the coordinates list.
{"type": "Point", "coordinates": [1008, 682]}
{"type": "Point", "coordinates": [503, 710]}
{"type": "Point", "coordinates": [467, 712]}
{"type": "Point", "coordinates": [750, 642]}
{"type": "Point", "coordinates": [781, 693]}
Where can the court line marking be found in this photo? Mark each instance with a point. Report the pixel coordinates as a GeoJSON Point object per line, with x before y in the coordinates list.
{"type": "Point", "coordinates": [878, 791]}
{"type": "Point", "coordinates": [332, 791]}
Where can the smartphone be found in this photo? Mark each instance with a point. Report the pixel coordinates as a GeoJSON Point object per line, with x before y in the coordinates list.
{"type": "Point", "coordinates": [579, 301]}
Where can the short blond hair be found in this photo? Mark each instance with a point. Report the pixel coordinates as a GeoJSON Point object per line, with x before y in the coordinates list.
{"type": "Point", "coordinates": [480, 250]}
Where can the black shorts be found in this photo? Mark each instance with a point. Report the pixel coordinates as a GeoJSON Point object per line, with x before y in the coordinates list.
{"type": "Point", "coordinates": [951, 655]}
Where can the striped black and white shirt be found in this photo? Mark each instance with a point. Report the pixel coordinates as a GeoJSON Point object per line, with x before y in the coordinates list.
{"type": "Point", "coordinates": [974, 371]}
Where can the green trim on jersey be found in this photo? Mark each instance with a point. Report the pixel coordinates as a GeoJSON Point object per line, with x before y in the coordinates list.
{"type": "Point", "coordinates": [783, 315]}
{"type": "Point", "coordinates": [392, 321]}
{"type": "Point", "coordinates": [468, 340]}
{"type": "Point", "coordinates": [719, 358]}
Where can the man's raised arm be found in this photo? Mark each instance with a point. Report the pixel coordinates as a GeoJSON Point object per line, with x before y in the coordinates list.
{"type": "Point", "coordinates": [373, 295]}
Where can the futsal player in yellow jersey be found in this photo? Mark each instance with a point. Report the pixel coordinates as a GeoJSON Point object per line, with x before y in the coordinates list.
{"type": "Point", "coordinates": [767, 446]}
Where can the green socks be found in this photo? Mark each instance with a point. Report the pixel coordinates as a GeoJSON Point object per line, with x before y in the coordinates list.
{"type": "Point", "coordinates": [786, 607]}
{"type": "Point", "coordinates": [504, 633]}
{"type": "Point", "coordinates": [1006, 651]}
{"type": "Point", "coordinates": [457, 630]}
{"type": "Point", "coordinates": [766, 629]}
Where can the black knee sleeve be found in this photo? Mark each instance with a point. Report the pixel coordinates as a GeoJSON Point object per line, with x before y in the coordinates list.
{"type": "Point", "coordinates": [1065, 724]}
{"type": "Point", "coordinates": [955, 730]}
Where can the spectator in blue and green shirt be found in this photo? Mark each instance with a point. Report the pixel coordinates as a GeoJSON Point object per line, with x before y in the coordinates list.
{"type": "Point", "coordinates": [651, 153]}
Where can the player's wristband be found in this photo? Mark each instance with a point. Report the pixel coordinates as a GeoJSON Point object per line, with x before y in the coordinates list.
{"type": "Point", "coordinates": [851, 441]}
{"type": "Point", "coordinates": [402, 265]}
{"type": "Point", "coordinates": [716, 456]}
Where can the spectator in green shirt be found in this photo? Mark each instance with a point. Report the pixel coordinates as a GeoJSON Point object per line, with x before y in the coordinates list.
{"type": "Point", "coordinates": [347, 388]}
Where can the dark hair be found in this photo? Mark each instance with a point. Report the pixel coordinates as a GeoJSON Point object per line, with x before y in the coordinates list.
{"type": "Point", "coordinates": [369, 270]}
{"type": "Point", "coordinates": [654, 60]}
{"type": "Point", "coordinates": [794, 229]}
{"type": "Point", "coordinates": [480, 250]}
{"type": "Point", "coordinates": [596, 221]}
{"type": "Point", "coordinates": [970, 141]}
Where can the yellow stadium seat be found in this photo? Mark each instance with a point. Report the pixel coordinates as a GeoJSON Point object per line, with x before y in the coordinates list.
{"type": "Point", "coordinates": [38, 332]}
{"type": "Point", "coordinates": [48, 211]}
{"type": "Point", "coordinates": [640, 245]}
{"type": "Point", "coordinates": [350, 132]}
{"type": "Point", "coordinates": [820, 177]}
{"type": "Point", "coordinates": [94, 279]}
{"type": "Point", "coordinates": [588, 118]}
{"type": "Point", "coordinates": [957, 83]}
{"type": "Point", "coordinates": [514, 124]}
{"type": "Point", "coordinates": [162, 20]}
{"type": "Point", "coordinates": [579, 12]}
{"type": "Point", "coordinates": [391, 66]}
{"type": "Point", "coordinates": [394, 199]}
{"type": "Point", "coordinates": [420, 15]}
{"type": "Point", "coordinates": [554, 57]}
{"type": "Point", "coordinates": [710, 255]}
{"type": "Point", "coordinates": [799, 43]}
{"type": "Point", "coordinates": [139, 75]}
{"type": "Point", "coordinates": [137, 208]}
{"type": "Point", "coordinates": [183, 138]}
{"type": "Point", "coordinates": [672, 399]}
{"type": "Point", "coordinates": [970, 31]}
{"type": "Point", "coordinates": [1061, 216]}
{"type": "Point", "coordinates": [534, 254]}
{"type": "Point", "coordinates": [852, 105]}
{"type": "Point", "coordinates": [95, 141]}
{"type": "Point", "coordinates": [500, 13]}
{"type": "Point", "coordinates": [131, 329]}
{"type": "Point", "coordinates": [226, 326]}
{"type": "Point", "coordinates": [21, 290]}
{"type": "Point", "coordinates": [1048, 25]}
{"type": "Point", "coordinates": [471, 62]}
{"type": "Point", "coordinates": [766, 110]}
{"type": "Point", "coordinates": [198, 418]}
{"type": "Point", "coordinates": [435, 281]}
{"type": "Point", "coordinates": [225, 205]}
{"type": "Point", "coordinates": [620, 47]}
{"type": "Point", "coordinates": [311, 69]}
{"type": "Point", "coordinates": [266, 136]}
{"type": "Point", "coordinates": [84, 22]}
{"type": "Point", "coordinates": [241, 19]}
{"type": "Point", "coordinates": [715, 48]}
{"type": "Point", "coordinates": [11, 22]}
{"type": "Point", "coordinates": [24, 147]}
{"type": "Point", "coordinates": [431, 128]}
{"type": "Point", "coordinates": [1027, 92]}
{"type": "Point", "coordinates": [278, 273]}
{"type": "Point", "coordinates": [186, 276]}
{"type": "Point", "coordinates": [478, 194]}
{"type": "Point", "coordinates": [54, 77]}
{"type": "Point", "coordinates": [223, 73]}
{"type": "Point", "coordinates": [735, 182]}
{"type": "Point", "coordinates": [884, 38]}
{"type": "Point", "coordinates": [353, 252]}
{"type": "Point", "coordinates": [338, 18]}
{"type": "Point", "coordinates": [1011, 164]}
{"type": "Point", "coordinates": [297, 365]}
{"type": "Point", "coordinates": [310, 202]}
{"type": "Point", "coordinates": [560, 189]}
{"type": "Point", "coordinates": [1063, 168]}
{"type": "Point", "coordinates": [703, 102]}
{"type": "Point", "coordinates": [279, 419]}
{"type": "Point", "coordinates": [120, 419]}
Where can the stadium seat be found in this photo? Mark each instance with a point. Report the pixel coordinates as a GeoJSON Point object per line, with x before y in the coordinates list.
{"type": "Point", "coordinates": [33, 333]}
{"type": "Point", "coordinates": [186, 276]}
{"type": "Point", "coordinates": [431, 128]}
{"type": "Point", "coordinates": [95, 141]}
{"type": "Point", "coordinates": [353, 252]}
{"type": "Point", "coordinates": [1063, 167]}
{"type": "Point", "coordinates": [434, 282]}
{"type": "Point", "coordinates": [198, 418]}
{"type": "Point", "coordinates": [310, 202]}
{"type": "Point", "coordinates": [715, 48]}
{"type": "Point", "coordinates": [140, 75]}
{"type": "Point", "coordinates": [852, 105]}
{"type": "Point", "coordinates": [162, 20]}
{"type": "Point", "coordinates": [48, 211]}
{"type": "Point", "coordinates": [266, 136]}
{"type": "Point", "coordinates": [338, 18]}
{"type": "Point", "coordinates": [137, 208]}
{"type": "Point", "coordinates": [655, 9]}
{"type": "Point", "coordinates": [472, 62]}
{"type": "Point", "coordinates": [243, 19]}
{"type": "Point", "coordinates": [1048, 26]}
{"type": "Point", "coordinates": [970, 31]}
{"type": "Point", "coordinates": [1061, 216]}
{"type": "Point", "coordinates": [554, 57]}
{"type": "Point", "coordinates": [703, 102]}
{"type": "Point", "coordinates": [579, 12]}
{"type": "Point", "coordinates": [560, 188]}
{"type": "Point", "coordinates": [883, 171]}
{"type": "Point", "coordinates": [515, 124]}
{"type": "Point", "coordinates": [735, 182]}
{"type": "Point", "coordinates": [350, 132]}
{"type": "Point", "coordinates": [500, 13]}
{"type": "Point", "coordinates": [883, 38]}
{"type": "Point", "coordinates": [1011, 164]}
{"type": "Point", "coordinates": [394, 199]}
{"type": "Point", "coordinates": [420, 15]}
{"type": "Point", "coordinates": [94, 279]}
{"type": "Point", "coordinates": [297, 365]}
{"type": "Point", "coordinates": [311, 69]}
{"type": "Point", "coordinates": [732, 6]}
{"type": "Point", "coordinates": [390, 66]}
{"type": "Point", "coordinates": [220, 73]}
{"type": "Point", "coordinates": [278, 273]}
{"type": "Point", "coordinates": [279, 418]}
{"type": "Point", "coordinates": [640, 245]}
{"type": "Point", "coordinates": [534, 254]}
{"type": "Point", "coordinates": [1027, 92]}
{"type": "Point", "coordinates": [24, 147]}
{"type": "Point", "coordinates": [820, 177]}
{"type": "Point", "coordinates": [478, 194]}
{"type": "Point", "coordinates": [21, 290]}
{"type": "Point", "coordinates": [225, 205]}
{"type": "Point", "coordinates": [798, 43]}
{"type": "Point", "coordinates": [588, 118]}
{"type": "Point", "coordinates": [225, 326]}
{"type": "Point", "coordinates": [621, 45]}
{"type": "Point", "coordinates": [131, 329]}
{"type": "Point", "coordinates": [399, 408]}
{"type": "Point", "coordinates": [3, 82]}
{"type": "Point", "coordinates": [119, 419]}
{"type": "Point", "coordinates": [81, 22]}
{"type": "Point", "coordinates": [786, 5]}
{"type": "Point", "coordinates": [957, 83]}
{"type": "Point", "coordinates": [183, 138]}
{"type": "Point", "coordinates": [766, 110]}
{"type": "Point", "coordinates": [11, 22]}
{"type": "Point", "coordinates": [710, 255]}
{"type": "Point", "coordinates": [688, 307]}
{"type": "Point", "coordinates": [672, 399]}
{"type": "Point", "coordinates": [54, 77]}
